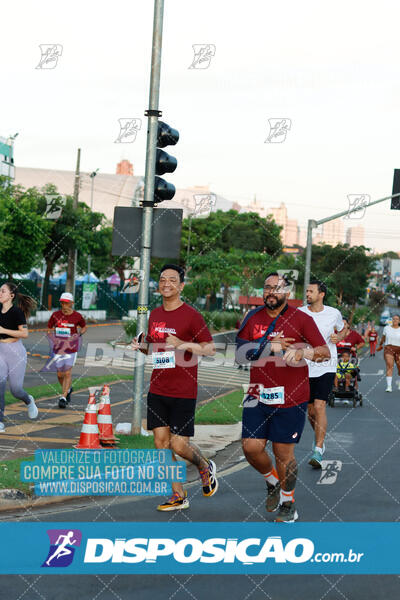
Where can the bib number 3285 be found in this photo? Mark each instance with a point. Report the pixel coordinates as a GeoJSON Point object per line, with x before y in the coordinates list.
{"type": "Point", "coordinates": [163, 360]}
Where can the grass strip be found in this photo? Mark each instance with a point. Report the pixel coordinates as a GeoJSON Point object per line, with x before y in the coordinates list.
{"type": "Point", "coordinates": [225, 410]}
{"type": "Point", "coordinates": [80, 383]}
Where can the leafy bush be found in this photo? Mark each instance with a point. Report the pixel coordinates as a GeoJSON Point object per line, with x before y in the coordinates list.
{"type": "Point", "coordinates": [130, 328]}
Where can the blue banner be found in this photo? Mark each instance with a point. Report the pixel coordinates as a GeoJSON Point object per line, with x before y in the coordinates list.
{"type": "Point", "coordinates": [200, 548]}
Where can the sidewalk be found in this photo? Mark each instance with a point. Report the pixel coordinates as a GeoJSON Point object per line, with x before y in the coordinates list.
{"type": "Point", "coordinates": [57, 428]}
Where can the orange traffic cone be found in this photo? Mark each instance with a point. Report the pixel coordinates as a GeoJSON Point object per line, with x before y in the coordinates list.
{"type": "Point", "coordinates": [89, 439]}
{"type": "Point", "coordinates": [104, 420]}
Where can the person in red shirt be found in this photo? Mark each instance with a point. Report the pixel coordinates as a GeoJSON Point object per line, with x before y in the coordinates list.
{"type": "Point", "coordinates": [177, 335]}
{"type": "Point", "coordinates": [275, 406]}
{"type": "Point", "coordinates": [353, 340]}
{"type": "Point", "coordinates": [372, 336]}
{"type": "Point", "coordinates": [64, 328]}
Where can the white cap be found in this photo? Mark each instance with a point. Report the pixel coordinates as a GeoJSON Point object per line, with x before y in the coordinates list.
{"type": "Point", "coordinates": [66, 297]}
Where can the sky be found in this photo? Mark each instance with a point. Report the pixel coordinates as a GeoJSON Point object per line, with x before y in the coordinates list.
{"type": "Point", "coordinates": [331, 69]}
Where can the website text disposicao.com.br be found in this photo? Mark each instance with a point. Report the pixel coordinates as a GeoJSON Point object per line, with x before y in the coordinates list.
{"type": "Point", "coordinates": [213, 550]}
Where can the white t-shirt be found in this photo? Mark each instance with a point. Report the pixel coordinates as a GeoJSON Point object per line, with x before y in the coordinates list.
{"type": "Point", "coordinates": [326, 321]}
{"type": "Point", "coordinates": [392, 335]}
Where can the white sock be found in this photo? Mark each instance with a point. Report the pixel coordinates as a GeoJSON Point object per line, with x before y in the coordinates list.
{"type": "Point", "coordinates": [286, 496]}
{"type": "Point", "coordinates": [318, 449]}
{"type": "Point", "coordinates": [389, 381]}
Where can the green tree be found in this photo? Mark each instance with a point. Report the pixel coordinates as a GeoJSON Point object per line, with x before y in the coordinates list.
{"type": "Point", "coordinates": [231, 229]}
{"type": "Point", "coordinates": [344, 269]}
{"type": "Point", "coordinates": [23, 231]}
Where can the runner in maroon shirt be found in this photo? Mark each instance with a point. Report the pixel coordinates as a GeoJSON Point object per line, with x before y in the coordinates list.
{"type": "Point", "coordinates": [177, 335]}
{"type": "Point", "coordinates": [372, 336]}
{"type": "Point", "coordinates": [352, 342]}
{"type": "Point", "coordinates": [64, 328]}
{"type": "Point", "coordinates": [276, 403]}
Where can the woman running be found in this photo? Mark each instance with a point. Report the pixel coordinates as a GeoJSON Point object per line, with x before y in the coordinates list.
{"type": "Point", "coordinates": [372, 336]}
{"type": "Point", "coordinates": [391, 353]}
{"type": "Point", "coordinates": [13, 328]}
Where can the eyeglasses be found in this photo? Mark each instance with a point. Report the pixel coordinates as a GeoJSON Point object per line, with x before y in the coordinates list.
{"type": "Point", "coordinates": [278, 289]}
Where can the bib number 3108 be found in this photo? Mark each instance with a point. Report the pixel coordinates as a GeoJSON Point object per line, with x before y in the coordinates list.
{"type": "Point", "coordinates": [163, 360]}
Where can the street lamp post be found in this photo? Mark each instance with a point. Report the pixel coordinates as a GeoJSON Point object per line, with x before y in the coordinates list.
{"type": "Point", "coordinates": [312, 224]}
{"type": "Point", "coordinates": [10, 141]}
{"type": "Point", "coordinates": [92, 176]}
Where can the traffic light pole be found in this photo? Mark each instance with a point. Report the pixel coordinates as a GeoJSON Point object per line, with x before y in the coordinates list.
{"type": "Point", "coordinates": [312, 224]}
{"type": "Point", "coordinates": [152, 113]}
{"type": "Point", "coordinates": [73, 252]}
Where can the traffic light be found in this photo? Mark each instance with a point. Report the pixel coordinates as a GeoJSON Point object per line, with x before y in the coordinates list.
{"type": "Point", "coordinates": [165, 163]}
{"type": "Point", "coordinates": [395, 204]}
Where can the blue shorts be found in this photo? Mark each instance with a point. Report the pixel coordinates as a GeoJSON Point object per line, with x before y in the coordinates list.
{"type": "Point", "coordinates": [283, 425]}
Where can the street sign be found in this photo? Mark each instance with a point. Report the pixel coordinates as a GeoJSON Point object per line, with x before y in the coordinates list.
{"type": "Point", "coordinates": [166, 232]}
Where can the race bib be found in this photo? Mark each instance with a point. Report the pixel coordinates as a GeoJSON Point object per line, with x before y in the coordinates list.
{"type": "Point", "coordinates": [63, 332]}
{"type": "Point", "coordinates": [275, 395]}
{"type": "Point", "coordinates": [163, 360]}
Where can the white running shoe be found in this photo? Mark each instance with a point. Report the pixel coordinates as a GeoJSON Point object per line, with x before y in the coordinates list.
{"type": "Point", "coordinates": [389, 388]}
{"type": "Point", "coordinates": [2, 427]}
{"type": "Point", "coordinates": [32, 409]}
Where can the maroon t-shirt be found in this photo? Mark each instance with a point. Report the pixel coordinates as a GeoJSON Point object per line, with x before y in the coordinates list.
{"type": "Point", "coordinates": [66, 326]}
{"type": "Point", "coordinates": [188, 325]}
{"type": "Point", "coordinates": [372, 336]}
{"type": "Point", "coordinates": [351, 340]}
{"type": "Point", "coordinates": [275, 372]}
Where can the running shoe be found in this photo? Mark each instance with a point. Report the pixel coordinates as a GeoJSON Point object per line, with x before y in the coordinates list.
{"type": "Point", "coordinates": [68, 396]}
{"type": "Point", "coordinates": [287, 513]}
{"type": "Point", "coordinates": [32, 409]}
{"type": "Point", "coordinates": [323, 447]}
{"type": "Point", "coordinates": [62, 402]}
{"type": "Point", "coordinates": [2, 427]}
{"type": "Point", "coordinates": [273, 494]}
{"type": "Point", "coordinates": [176, 502]}
{"type": "Point", "coordinates": [389, 388]}
{"type": "Point", "coordinates": [208, 479]}
{"type": "Point", "coordinates": [315, 460]}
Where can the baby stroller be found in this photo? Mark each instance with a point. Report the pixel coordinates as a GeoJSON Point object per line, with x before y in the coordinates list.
{"type": "Point", "coordinates": [351, 395]}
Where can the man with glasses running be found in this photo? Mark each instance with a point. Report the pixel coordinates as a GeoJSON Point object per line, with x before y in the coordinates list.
{"type": "Point", "coordinates": [276, 404]}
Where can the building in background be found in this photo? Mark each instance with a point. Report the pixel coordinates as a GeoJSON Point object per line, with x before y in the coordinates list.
{"type": "Point", "coordinates": [111, 190]}
{"type": "Point", "coordinates": [355, 236]}
{"type": "Point", "coordinates": [333, 232]}
{"type": "Point", "coordinates": [7, 157]}
{"type": "Point", "coordinates": [290, 228]}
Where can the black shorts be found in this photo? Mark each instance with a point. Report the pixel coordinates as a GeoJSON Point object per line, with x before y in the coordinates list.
{"type": "Point", "coordinates": [175, 413]}
{"type": "Point", "coordinates": [321, 387]}
{"type": "Point", "coordinates": [284, 425]}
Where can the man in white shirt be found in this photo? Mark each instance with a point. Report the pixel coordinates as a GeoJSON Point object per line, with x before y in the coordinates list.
{"type": "Point", "coordinates": [322, 374]}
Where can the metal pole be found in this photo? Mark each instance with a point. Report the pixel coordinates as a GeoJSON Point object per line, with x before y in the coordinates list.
{"type": "Point", "coordinates": [188, 244]}
{"type": "Point", "coordinates": [147, 218]}
{"type": "Point", "coordinates": [88, 267]}
{"type": "Point", "coordinates": [73, 253]}
{"type": "Point", "coordinates": [91, 193]}
{"type": "Point", "coordinates": [312, 224]}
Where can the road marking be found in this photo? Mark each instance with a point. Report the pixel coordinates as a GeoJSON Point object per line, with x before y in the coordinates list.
{"type": "Point", "coordinates": [330, 471]}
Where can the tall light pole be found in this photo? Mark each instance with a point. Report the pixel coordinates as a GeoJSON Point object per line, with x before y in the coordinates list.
{"type": "Point", "coordinates": [149, 182]}
{"type": "Point", "coordinates": [73, 252]}
{"type": "Point", "coordinates": [312, 224]}
{"type": "Point", "coordinates": [92, 176]}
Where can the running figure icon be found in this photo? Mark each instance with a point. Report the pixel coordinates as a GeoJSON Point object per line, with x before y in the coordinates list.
{"type": "Point", "coordinates": [62, 549]}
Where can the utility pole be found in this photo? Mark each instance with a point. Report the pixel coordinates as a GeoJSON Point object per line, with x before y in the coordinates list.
{"type": "Point", "coordinates": [92, 176]}
{"type": "Point", "coordinates": [73, 252]}
{"type": "Point", "coordinates": [312, 224]}
{"type": "Point", "coordinates": [153, 114]}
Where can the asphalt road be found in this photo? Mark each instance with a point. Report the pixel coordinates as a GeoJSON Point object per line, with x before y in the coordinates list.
{"type": "Point", "coordinates": [363, 485]}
